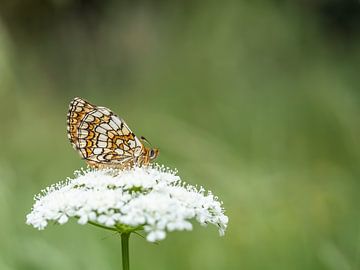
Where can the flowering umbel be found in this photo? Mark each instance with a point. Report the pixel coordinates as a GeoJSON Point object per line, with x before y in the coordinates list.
{"type": "Point", "coordinates": [151, 198]}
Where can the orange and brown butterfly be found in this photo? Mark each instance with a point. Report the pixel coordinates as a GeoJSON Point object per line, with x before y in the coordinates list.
{"type": "Point", "coordinates": [103, 139]}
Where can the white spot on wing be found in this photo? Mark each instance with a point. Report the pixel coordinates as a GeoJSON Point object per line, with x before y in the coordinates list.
{"type": "Point", "coordinates": [103, 137]}
{"type": "Point", "coordinates": [89, 118]}
{"type": "Point", "coordinates": [106, 126]}
{"type": "Point", "coordinates": [101, 144]}
{"type": "Point", "coordinates": [78, 109]}
{"type": "Point", "coordinates": [98, 151]}
{"type": "Point", "coordinates": [100, 157]}
{"type": "Point", "coordinates": [116, 120]}
{"type": "Point", "coordinates": [100, 130]}
{"type": "Point", "coordinates": [82, 143]}
{"type": "Point", "coordinates": [132, 144]}
{"type": "Point", "coordinates": [113, 125]}
{"type": "Point", "coordinates": [83, 133]}
{"type": "Point", "coordinates": [97, 114]}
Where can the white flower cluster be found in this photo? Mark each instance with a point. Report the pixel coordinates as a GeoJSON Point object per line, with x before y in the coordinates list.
{"type": "Point", "coordinates": [152, 198]}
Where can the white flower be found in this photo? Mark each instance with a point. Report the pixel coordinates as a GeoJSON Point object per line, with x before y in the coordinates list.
{"type": "Point", "coordinates": [152, 198]}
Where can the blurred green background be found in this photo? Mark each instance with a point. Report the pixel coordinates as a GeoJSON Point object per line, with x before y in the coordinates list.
{"type": "Point", "coordinates": [257, 101]}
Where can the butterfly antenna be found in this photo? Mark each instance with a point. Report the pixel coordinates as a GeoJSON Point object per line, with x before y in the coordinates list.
{"type": "Point", "coordinates": [145, 140]}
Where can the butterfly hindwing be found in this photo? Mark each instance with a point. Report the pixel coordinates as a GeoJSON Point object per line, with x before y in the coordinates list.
{"type": "Point", "coordinates": [78, 108]}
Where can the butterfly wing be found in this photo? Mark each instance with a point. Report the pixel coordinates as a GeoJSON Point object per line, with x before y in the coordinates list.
{"type": "Point", "coordinates": [101, 137]}
{"type": "Point", "coordinates": [78, 108]}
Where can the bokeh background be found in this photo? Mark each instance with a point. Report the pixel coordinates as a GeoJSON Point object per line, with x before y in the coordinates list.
{"type": "Point", "coordinates": [257, 101]}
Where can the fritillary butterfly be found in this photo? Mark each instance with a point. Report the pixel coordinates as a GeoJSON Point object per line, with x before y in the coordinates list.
{"type": "Point", "coordinates": [103, 139]}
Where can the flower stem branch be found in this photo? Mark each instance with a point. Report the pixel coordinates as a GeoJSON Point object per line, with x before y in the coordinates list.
{"type": "Point", "coordinates": [125, 250]}
{"type": "Point", "coordinates": [103, 227]}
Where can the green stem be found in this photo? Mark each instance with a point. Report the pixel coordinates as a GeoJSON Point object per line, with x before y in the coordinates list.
{"type": "Point", "coordinates": [125, 250]}
{"type": "Point", "coordinates": [101, 226]}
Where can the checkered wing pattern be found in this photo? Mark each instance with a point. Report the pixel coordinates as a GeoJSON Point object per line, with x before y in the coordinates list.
{"type": "Point", "coordinates": [101, 137]}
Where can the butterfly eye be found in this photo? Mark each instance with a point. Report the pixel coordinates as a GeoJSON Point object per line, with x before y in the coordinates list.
{"type": "Point", "coordinates": [153, 153]}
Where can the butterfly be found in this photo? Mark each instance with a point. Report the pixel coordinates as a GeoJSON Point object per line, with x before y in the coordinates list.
{"type": "Point", "coordinates": [103, 139]}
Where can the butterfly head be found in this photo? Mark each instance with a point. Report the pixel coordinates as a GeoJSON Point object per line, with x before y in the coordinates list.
{"type": "Point", "coordinates": [152, 153]}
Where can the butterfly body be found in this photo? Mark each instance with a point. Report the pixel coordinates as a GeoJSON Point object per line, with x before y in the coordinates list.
{"type": "Point", "coordinates": [103, 139]}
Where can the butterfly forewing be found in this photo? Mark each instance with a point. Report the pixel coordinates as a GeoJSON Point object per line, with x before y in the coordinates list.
{"type": "Point", "coordinates": [100, 136]}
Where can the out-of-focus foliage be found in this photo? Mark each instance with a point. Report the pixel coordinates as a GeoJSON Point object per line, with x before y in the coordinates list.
{"type": "Point", "coordinates": [256, 100]}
